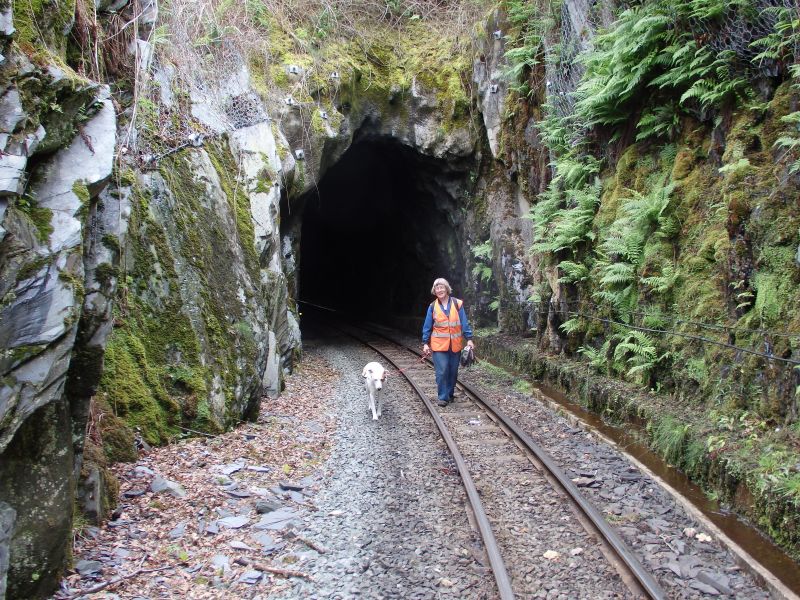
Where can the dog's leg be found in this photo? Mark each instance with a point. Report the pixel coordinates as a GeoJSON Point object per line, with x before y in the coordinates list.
{"type": "Point", "coordinates": [380, 402]}
{"type": "Point", "coordinates": [372, 405]}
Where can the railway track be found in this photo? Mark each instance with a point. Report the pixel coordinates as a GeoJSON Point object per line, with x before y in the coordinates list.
{"type": "Point", "coordinates": [510, 483]}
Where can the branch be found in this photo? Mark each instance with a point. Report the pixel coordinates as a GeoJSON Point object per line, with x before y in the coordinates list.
{"type": "Point", "coordinates": [275, 570]}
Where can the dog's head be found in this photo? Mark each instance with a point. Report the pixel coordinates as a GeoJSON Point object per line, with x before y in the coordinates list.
{"type": "Point", "coordinates": [374, 374]}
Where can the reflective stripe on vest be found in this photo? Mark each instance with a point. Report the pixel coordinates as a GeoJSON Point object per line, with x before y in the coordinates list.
{"type": "Point", "coordinates": [446, 333]}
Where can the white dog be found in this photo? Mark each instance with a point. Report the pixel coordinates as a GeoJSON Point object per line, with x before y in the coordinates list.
{"type": "Point", "coordinates": [374, 378]}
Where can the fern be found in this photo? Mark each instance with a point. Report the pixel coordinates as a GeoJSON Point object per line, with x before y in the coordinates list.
{"type": "Point", "coordinates": [483, 254]}
{"type": "Point", "coordinates": [663, 121]}
{"type": "Point", "coordinates": [569, 227]}
{"type": "Point", "coordinates": [638, 351]}
{"type": "Point", "coordinates": [791, 142]}
{"type": "Point", "coordinates": [662, 284]}
{"type": "Point", "coordinates": [573, 272]}
{"type": "Point", "coordinates": [572, 326]}
{"type": "Point", "coordinates": [597, 357]}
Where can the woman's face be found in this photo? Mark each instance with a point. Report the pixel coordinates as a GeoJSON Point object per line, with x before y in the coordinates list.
{"type": "Point", "coordinates": [441, 291]}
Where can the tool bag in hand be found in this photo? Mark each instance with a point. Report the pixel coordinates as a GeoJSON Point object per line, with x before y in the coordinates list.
{"type": "Point", "coordinates": [467, 357]}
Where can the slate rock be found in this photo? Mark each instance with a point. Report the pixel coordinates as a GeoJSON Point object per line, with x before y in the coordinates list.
{"type": "Point", "coordinates": [211, 528]}
{"type": "Point", "coordinates": [178, 531]}
{"type": "Point", "coordinates": [159, 485]}
{"type": "Point", "coordinates": [259, 469]}
{"type": "Point", "coordinates": [239, 493]}
{"type": "Point", "coordinates": [239, 545]}
{"type": "Point", "coordinates": [221, 562]}
{"type": "Point", "coordinates": [88, 567]}
{"type": "Point", "coordinates": [278, 519]}
{"type": "Point", "coordinates": [702, 587]}
{"type": "Point", "coordinates": [232, 468]}
{"type": "Point", "coordinates": [250, 577]}
{"type": "Point", "coordinates": [720, 582]}
{"type": "Point", "coordinates": [266, 540]}
{"type": "Point", "coordinates": [290, 486]}
{"type": "Point", "coordinates": [266, 506]}
{"type": "Point", "coordinates": [234, 522]}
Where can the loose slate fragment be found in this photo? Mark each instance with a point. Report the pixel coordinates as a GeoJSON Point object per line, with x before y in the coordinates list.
{"type": "Point", "coordinates": [583, 481]}
{"type": "Point", "coordinates": [178, 531]}
{"type": "Point", "coordinates": [237, 545]}
{"type": "Point", "coordinates": [266, 506]}
{"type": "Point", "coordinates": [221, 562]}
{"type": "Point", "coordinates": [159, 484]}
{"type": "Point", "coordinates": [239, 493]}
{"type": "Point", "coordinates": [702, 587]}
{"type": "Point", "coordinates": [88, 567]}
{"type": "Point", "coordinates": [231, 468]}
{"type": "Point", "coordinates": [289, 486]}
{"type": "Point", "coordinates": [278, 519]}
{"type": "Point", "coordinates": [234, 522]}
{"type": "Point", "coordinates": [720, 582]}
{"type": "Point", "coordinates": [250, 577]}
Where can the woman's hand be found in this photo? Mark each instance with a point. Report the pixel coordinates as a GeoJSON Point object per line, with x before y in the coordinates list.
{"type": "Point", "coordinates": [426, 350]}
{"type": "Point", "coordinates": [470, 344]}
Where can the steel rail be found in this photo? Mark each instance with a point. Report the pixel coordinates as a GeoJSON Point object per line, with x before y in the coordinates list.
{"type": "Point", "coordinates": [644, 578]}
{"type": "Point", "coordinates": [490, 543]}
{"type": "Point", "coordinates": [642, 575]}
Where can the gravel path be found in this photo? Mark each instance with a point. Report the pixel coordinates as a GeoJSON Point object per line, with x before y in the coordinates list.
{"type": "Point", "coordinates": [391, 511]}
{"type": "Point", "coordinates": [319, 501]}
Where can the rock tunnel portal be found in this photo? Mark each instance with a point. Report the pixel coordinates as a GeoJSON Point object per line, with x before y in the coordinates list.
{"type": "Point", "coordinates": [383, 222]}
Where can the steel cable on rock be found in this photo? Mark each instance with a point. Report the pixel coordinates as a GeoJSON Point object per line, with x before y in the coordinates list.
{"type": "Point", "coordinates": [690, 336]}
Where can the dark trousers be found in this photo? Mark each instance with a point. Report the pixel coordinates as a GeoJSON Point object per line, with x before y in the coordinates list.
{"type": "Point", "coordinates": [446, 366]}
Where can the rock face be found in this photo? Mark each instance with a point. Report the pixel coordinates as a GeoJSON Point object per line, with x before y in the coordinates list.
{"type": "Point", "coordinates": [44, 287]}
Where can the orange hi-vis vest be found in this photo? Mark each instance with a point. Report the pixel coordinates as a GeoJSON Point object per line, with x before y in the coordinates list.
{"type": "Point", "coordinates": [446, 333]}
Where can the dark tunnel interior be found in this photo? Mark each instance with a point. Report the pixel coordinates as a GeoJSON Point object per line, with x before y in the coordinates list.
{"type": "Point", "coordinates": [379, 228]}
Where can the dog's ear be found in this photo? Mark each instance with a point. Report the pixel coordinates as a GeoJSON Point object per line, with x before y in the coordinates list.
{"type": "Point", "coordinates": [364, 372]}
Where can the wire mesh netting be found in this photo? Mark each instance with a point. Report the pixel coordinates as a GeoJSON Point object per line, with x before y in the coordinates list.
{"type": "Point", "coordinates": [731, 32]}
{"type": "Point", "coordinates": [737, 27]}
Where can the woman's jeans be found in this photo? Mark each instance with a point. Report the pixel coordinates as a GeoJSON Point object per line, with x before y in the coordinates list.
{"type": "Point", "coordinates": [446, 366]}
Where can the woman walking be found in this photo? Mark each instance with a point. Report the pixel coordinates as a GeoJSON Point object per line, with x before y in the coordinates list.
{"type": "Point", "coordinates": [443, 336]}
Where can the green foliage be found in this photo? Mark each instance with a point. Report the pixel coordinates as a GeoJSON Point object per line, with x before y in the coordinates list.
{"type": "Point", "coordinates": [669, 438]}
{"type": "Point", "coordinates": [573, 325]}
{"type": "Point", "coordinates": [660, 121]}
{"type": "Point", "coordinates": [483, 255]}
{"type": "Point", "coordinates": [573, 272]}
{"type": "Point", "coordinates": [639, 353]}
{"type": "Point", "coordinates": [663, 283]}
{"type": "Point", "coordinates": [569, 227]}
{"type": "Point", "coordinates": [622, 251]}
{"type": "Point", "coordinates": [597, 357]}
{"type": "Point", "coordinates": [791, 141]}
{"type": "Point", "coordinates": [40, 216]}
{"type": "Point", "coordinates": [525, 43]}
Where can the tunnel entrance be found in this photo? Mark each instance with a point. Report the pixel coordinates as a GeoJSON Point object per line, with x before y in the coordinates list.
{"type": "Point", "coordinates": [382, 224]}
